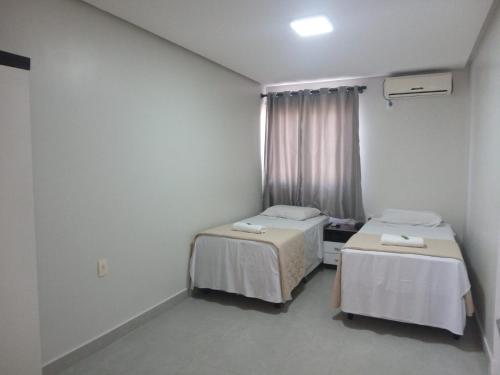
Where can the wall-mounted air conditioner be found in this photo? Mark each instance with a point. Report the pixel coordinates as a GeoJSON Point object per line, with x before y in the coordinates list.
{"type": "Point", "coordinates": [418, 85]}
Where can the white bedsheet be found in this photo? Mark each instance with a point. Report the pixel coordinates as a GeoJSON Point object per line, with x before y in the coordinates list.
{"type": "Point", "coordinates": [404, 287]}
{"type": "Point", "coordinates": [251, 268]}
{"type": "Point", "coordinates": [443, 231]}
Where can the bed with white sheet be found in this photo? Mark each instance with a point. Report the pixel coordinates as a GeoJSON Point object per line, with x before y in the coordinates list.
{"type": "Point", "coordinates": [425, 290]}
{"type": "Point", "coordinates": [251, 268]}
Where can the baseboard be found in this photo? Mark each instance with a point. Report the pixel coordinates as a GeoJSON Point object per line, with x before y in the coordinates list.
{"type": "Point", "coordinates": [492, 365]}
{"type": "Point", "coordinates": [70, 358]}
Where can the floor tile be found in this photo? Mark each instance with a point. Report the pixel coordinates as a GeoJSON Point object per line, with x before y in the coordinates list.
{"type": "Point", "coordinates": [221, 333]}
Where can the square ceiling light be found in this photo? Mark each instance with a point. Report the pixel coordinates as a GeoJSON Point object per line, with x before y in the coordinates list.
{"type": "Point", "coordinates": [312, 26]}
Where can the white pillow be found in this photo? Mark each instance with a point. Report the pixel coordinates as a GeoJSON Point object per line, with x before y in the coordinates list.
{"type": "Point", "coordinates": [292, 212]}
{"type": "Point", "coordinates": [425, 218]}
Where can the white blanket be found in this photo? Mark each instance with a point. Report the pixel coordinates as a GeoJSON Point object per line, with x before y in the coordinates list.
{"type": "Point", "coordinates": [251, 268]}
{"type": "Point", "coordinates": [404, 287]}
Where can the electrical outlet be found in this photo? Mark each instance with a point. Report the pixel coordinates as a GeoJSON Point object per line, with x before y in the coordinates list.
{"type": "Point", "coordinates": [102, 267]}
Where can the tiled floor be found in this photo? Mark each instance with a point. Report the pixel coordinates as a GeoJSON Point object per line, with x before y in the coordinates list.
{"type": "Point", "coordinates": [218, 334]}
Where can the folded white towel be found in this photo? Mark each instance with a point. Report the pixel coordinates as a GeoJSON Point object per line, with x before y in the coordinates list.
{"type": "Point", "coordinates": [402, 240]}
{"type": "Point", "coordinates": [247, 227]}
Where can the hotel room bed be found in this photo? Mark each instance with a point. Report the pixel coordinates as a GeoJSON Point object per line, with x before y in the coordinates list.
{"type": "Point", "coordinates": [426, 290]}
{"type": "Point", "coordinates": [251, 268]}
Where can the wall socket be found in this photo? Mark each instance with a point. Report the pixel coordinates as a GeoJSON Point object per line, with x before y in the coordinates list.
{"type": "Point", "coordinates": [102, 267]}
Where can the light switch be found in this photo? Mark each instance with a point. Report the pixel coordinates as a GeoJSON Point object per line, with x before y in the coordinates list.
{"type": "Point", "coordinates": [102, 267]}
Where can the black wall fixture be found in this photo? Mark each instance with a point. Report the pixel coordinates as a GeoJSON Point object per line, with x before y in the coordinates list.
{"type": "Point", "coordinates": [15, 61]}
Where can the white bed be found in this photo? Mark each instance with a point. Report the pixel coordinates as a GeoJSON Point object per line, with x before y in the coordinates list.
{"type": "Point", "coordinates": [409, 288]}
{"type": "Point", "coordinates": [251, 268]}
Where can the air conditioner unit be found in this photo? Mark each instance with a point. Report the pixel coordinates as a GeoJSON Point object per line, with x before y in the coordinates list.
{"type": "Point", "coordinates": [418, 85]}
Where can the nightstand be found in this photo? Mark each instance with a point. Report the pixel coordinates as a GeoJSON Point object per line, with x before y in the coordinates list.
{"type": "Point", "coordinates": [334, 238]}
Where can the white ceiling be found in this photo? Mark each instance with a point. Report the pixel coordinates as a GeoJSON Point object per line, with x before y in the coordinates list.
{"type": "Point", "coordinates": [371, 37]}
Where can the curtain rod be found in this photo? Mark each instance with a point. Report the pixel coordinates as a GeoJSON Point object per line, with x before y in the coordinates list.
{"type": "Point", "coordinates": [360, 90]}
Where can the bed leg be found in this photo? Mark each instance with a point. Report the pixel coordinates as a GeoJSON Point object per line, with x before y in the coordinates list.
{"type": "Point", "coordinates": [350, 316]}
{"type": "Point", "coordinates": [456, 337]}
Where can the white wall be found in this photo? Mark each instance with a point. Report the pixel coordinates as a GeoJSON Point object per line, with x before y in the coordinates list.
{"type": "Point", "coordinates": [413, 155]}
{"type": "Point", "coordinates": [19, 323]}
{"type": "Point", "coordinates": [482, 239]}
{"type": "Point", "coordinates": [137, 144]}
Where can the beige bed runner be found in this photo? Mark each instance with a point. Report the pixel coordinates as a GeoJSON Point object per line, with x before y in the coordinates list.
{"type": "Point", "coordinates": [289, 246]}
{"type": "Point", "coordinates": [371, 242]}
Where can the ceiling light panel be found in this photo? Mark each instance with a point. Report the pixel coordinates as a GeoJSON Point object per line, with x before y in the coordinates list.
{"type": "Point", "coordinates": [312, 26]}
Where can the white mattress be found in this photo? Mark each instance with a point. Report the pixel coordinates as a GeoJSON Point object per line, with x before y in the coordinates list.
{"type": "Point", "coordinates": [251, 268]}
{"type": "Point", "coordinates": [405, 287]}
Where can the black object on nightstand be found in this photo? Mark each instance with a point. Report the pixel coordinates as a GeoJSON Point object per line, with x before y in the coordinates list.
{"type": "Point", "coordinates": [334, 238]}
